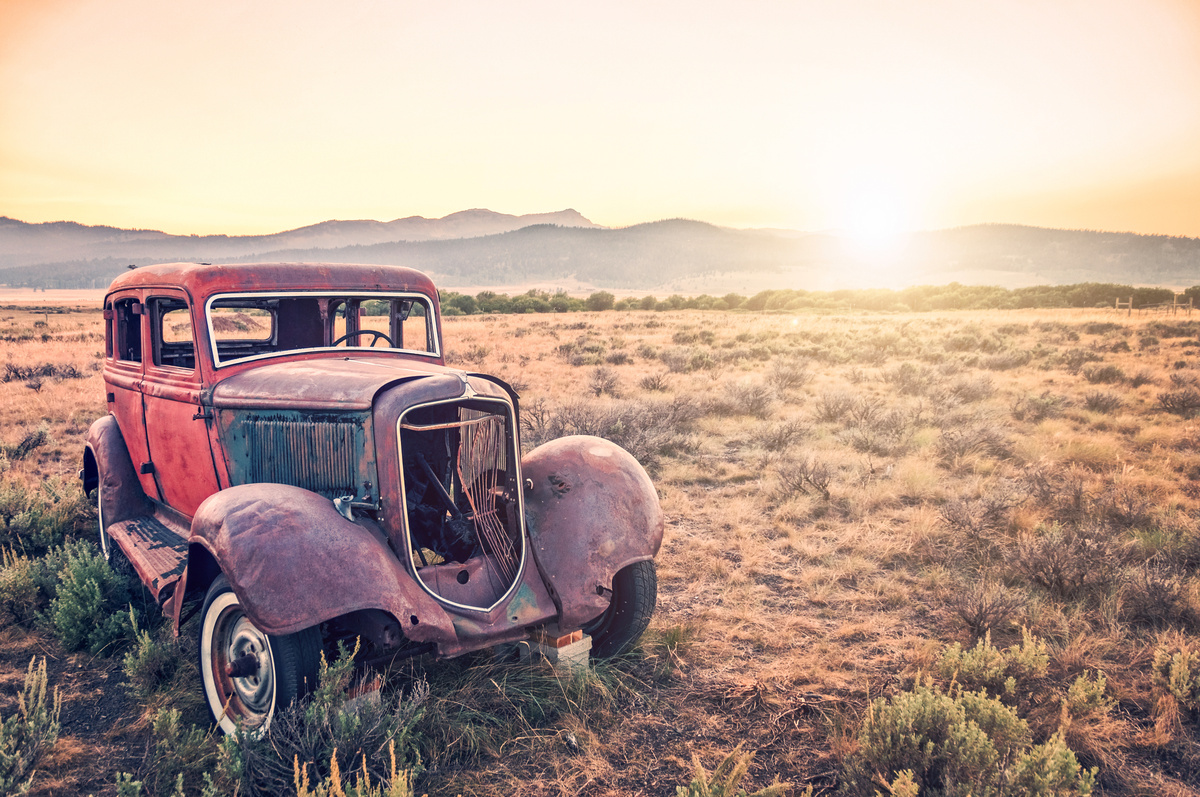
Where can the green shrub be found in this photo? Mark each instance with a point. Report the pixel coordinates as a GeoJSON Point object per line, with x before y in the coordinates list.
{"type": "Point", "coordinates": [18, 590]}
{"type": "Point", "coordinates": [182, 753]}
{"type": "Point", "coordinates": [90, 608]}
{"type": "Point", "coordinates": [1176, 671]}
{"type": "Point", "coordinates": [1087, 696]}
{"type": "Point", "coordinates": [29, 733]}
{"type": "Point", "coordinates": [34, 521]}
{"type": "Point", "coordinates": [965, 743]}
{"type": "Point", "coordinates": [1050, 770]}
{"type": "Point", "coordinates": [154, 661]}
{"type": "Point", "coordinates": [998, 672]}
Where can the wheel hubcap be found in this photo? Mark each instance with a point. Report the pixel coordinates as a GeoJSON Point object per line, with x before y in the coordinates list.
{"type": "Point", "coordinates": [249, 650]}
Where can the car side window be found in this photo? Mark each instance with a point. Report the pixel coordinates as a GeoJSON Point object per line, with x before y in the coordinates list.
{"type": "Point", "coordinates": [108, 330]}
{"type": "Point", "coordinates": [171, 333]}
{"type": "Point", "coordinates": [127, 322]}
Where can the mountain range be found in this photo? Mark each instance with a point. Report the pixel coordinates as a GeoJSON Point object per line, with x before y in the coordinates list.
{"type": "Point", "coordinates": [484, 248]}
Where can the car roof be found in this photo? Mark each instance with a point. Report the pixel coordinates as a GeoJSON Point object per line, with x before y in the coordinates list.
{"type": "Point", "coordinates": [202, 279]}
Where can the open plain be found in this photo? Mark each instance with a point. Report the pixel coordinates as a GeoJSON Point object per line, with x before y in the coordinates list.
{"type": "Point", "coordinates": [860, 507]}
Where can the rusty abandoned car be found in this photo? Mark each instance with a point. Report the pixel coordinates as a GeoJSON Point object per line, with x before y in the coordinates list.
{"type": "Point", "coordinates": [287, 454]}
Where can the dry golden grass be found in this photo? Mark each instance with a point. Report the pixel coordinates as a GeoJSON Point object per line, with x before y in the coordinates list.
{"type": "Point", "coordinates": [801, 606]}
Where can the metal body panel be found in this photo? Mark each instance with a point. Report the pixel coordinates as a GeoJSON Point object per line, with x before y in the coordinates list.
{"type": "Point", "coordinates": [295, 562]}
{"type": "Point", "coordinates": [333, 383]}
{"type": "Point", "coordinates": [178, 441]}
{"type": "Point", "coordinates": [120, 490]}
{"type": "Point", "coordinates": [592, 510]}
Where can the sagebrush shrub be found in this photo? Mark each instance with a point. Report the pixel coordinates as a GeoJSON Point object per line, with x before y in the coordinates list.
{"type": "Point", "coordinates": [1069, 561]}
{"type": "Point", "coordinates": [604, 380]}
{"type": "Point", "coordinates": [957, 442]}
{"type": "Point", "coordinates": [153, 662]}
{"type": "Point", "coordinates": [803, 475]}
{"type": "Point", "coordinates": [1099, 401]}
{"type": "Point", "coordinates": [19, 594]}
{"type": "Point", "coordinates": [1088, 696]}
{"type": "Point", "coordinates": [964, 743]}
{"type": "Point", "coordinates": [986, 605]}
{"type": "Point", "coordinates": [1006, 361]}
{"type": "Point", "coordinates": [1176, 672]}
{"type": "Point", "coordinates": [1158, 595]}
{"type": "Point", "coordinates": [1037, 408]}
{"type": "Point", "coordinates": [30, 732]}
{"type": "Point", "coordinates": [34, 521]}
{"type": "Point", "coordinates": [1184, 402]}
{"type": "Point", "coordinates": [988, 669]}
{"type": "Point", "coordinates": [745, 398]}
{"type": "Point", "coordinates": [1104, 375]}
{"type": "Point", "coordinates": [90, 608]}
{"type": "Point", "coordinates": [780, 436]}
{"type": "Point", "coordinates": [654, 382]}
{"type": "Point", "coordinates": [789, 374]}
{"type": "Point", "coordinates": [831, 406]}
{"type": "Point", "coordinates": [649, 429]}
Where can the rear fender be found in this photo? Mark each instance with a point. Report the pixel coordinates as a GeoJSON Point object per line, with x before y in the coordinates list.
{"type": "Point", "coordinates": [106, 464]}
{"type": "Point", "coordinates": [294, 562]}
{"type": "Point", "coordinates": [591, 511]}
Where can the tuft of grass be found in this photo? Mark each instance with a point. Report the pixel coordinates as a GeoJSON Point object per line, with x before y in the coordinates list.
{"type": "Point", "coordinates": [327, 732]}
{"type": "Point", "coordinates": [726, 778]}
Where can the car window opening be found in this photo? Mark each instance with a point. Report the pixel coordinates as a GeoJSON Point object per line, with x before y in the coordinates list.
{"type": "Point", "coordinates": [246, 327]}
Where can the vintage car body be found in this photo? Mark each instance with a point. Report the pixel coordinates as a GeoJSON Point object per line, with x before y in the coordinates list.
{"type": "Point", "coordinates": [265, 461]}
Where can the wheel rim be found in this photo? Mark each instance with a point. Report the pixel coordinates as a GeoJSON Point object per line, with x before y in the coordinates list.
{"type": "Point", "coordinates": [228, 636]}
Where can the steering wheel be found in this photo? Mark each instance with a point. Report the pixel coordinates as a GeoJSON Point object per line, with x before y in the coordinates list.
{"type": "Point", "coordinates": [362, 332]}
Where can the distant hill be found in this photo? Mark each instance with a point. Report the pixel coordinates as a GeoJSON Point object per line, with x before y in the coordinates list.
{"type": "Point", "coordinates": [24, 244]}
{"type": "Point", "coordinates": [479, 247]}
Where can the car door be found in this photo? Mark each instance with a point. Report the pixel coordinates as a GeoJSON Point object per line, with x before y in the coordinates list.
{"type": "Point", "coordinates": [124, 371]}
{"type": "Point", "coordinates": [176, 425]}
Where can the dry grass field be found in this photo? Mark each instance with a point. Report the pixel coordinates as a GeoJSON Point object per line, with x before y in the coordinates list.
{"type": "Point", "coordinates": [861, 510]}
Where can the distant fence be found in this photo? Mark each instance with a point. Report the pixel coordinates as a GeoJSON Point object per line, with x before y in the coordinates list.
{"type": "Point", "coordinates": [1173, 307]}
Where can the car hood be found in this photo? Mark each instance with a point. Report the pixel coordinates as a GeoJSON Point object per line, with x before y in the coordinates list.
{"type": "Point", "coordinates": [346, 383]}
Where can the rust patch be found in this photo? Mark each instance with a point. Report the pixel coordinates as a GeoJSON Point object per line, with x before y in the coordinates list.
{"type": "Point", "coordinates": [559, 485]}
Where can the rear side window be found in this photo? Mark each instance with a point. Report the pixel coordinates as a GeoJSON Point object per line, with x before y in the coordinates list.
{"type": "Point", "coordinates": [127, 323]}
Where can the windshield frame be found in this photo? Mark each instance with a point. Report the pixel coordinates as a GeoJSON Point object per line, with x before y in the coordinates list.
{"type": "Point", "coordinates": [432, 336]}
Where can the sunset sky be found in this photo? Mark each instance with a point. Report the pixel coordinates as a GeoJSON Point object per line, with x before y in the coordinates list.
{"type": "Point", "coordinates": [868, 115]}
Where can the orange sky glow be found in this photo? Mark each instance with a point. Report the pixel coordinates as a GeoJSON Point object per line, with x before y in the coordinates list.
{"type": "Point", "coordinates": [262, 115]}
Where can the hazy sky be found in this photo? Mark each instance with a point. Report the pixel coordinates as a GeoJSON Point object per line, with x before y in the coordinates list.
{"type": "Point", "coordinates": [244, 116]}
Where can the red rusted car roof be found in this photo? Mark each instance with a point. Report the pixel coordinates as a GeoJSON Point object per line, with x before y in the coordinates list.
{"type": "Point", "coordinates": [204, 280]}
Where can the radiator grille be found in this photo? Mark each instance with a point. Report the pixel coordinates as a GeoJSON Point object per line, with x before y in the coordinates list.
{"type": "Point", "coordinates": [316, 455]}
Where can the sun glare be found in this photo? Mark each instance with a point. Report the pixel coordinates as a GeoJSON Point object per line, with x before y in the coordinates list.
{"type": "Point", "coordinates": [874, 220]}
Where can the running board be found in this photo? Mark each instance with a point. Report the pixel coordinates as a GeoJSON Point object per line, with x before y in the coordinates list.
{"type": "Point", "coordinates": [157, 548]}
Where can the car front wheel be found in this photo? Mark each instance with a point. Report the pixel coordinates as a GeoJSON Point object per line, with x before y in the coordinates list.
{"type": "Point", "coordinates": [635, 591]}
{"type": "Point", "coordinates": [248, 674]}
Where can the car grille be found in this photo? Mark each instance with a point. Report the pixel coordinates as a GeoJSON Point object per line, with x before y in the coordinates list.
{"type": "Point", "coordinates": [317, 455]}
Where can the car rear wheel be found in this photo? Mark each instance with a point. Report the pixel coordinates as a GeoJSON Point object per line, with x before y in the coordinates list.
{"type": "Point", "coordinates": [248, 674]}
{"type": "Point", "coordinates": [635, 591]}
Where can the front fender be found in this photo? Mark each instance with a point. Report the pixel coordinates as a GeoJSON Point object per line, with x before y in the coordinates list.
{"type": "Point", "coordinates": [295, 562]}
{"type": "Point", "coordinates": [592, 510]}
